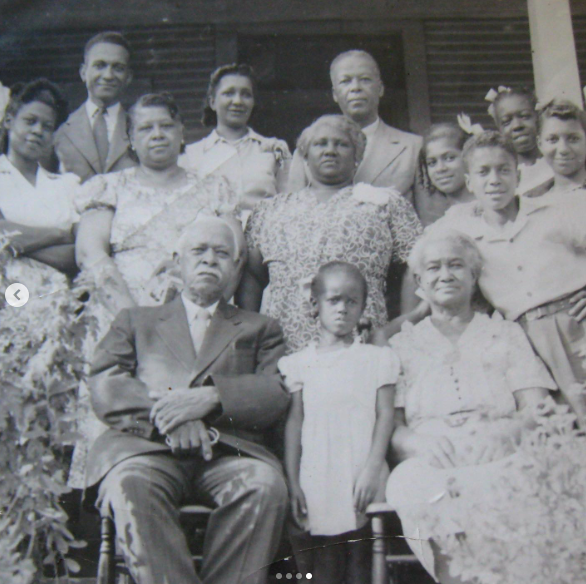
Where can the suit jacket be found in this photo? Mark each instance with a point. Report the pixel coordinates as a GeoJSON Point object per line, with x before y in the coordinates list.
{"type": "Point", "coordinates": [392, 161]}
{"type": "Point", "coordinates": [150, 349]}
{"type": "Point", "coordinates": [76, 148]}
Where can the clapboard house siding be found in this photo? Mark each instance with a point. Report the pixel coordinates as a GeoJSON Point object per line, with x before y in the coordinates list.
{"type": "Point", "coordinates": [175, 58]}
{"type": "Point", "coordinates": [465, 58]}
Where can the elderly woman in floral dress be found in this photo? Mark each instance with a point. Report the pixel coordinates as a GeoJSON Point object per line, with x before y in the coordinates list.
{"type": "Point", "coordinates": [130, 222]}
{"type": "Point", "coordinates": [292, 234]}
{"type": "Point", "coordinates": [465, 395]}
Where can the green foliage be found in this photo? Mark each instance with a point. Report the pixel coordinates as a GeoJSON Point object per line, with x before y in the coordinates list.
{"type": "Point", "coordinates": [41, 367]}
{"type": "Point", "coordinates": [530, 528]}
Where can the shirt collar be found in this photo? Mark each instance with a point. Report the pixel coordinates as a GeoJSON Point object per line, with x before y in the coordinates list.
{"type": "Point", "coordinates": [6, 167]}
{"type": "Point", "coordinates": [215, 138]}
{"type": "Point", "coordinates": [371, 129]}
{"type": "Point", "coordinates": [192, 309]}
{"type": "Point", "coordinates": [91, 108]}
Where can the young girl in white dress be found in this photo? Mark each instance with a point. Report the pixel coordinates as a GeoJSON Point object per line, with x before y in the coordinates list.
{"type": "Point", "coordinates": [338, 427]}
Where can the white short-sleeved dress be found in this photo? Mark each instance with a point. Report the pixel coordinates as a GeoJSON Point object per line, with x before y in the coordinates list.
{"type": "Point", "coordinates": [339, 402]}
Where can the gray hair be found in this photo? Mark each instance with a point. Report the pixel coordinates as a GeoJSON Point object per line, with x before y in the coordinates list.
{"type": "Point", "coordinates": [229, 222]}
{"type": "Point", "coordinates": [354, 53]}
{"type": "Point", "coordinates": [433, 235]}
{"type": "Point", "coordinates": [340, 122]}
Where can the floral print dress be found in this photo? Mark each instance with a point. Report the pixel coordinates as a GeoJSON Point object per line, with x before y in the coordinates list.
{"type": "Point", "coordinates": [366, 226]}
{"type": "Point", "coordinates": [146, 225]}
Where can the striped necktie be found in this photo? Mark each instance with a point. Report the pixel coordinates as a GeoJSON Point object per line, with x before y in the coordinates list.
{"type": "Point", "coordinates": [100, 131]}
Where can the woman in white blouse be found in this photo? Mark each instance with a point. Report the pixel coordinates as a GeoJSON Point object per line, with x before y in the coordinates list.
{"type": "Point", "coordinates": [255, 166]}
{"type": "Point", "coordinates": [37, 215]}
{"type": "Point", "coordinates": [464, 397]}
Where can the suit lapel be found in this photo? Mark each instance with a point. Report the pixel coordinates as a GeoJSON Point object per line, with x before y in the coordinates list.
{"type": "Point", "coordinates": [173, 330]}
{"type": "Point", "coordinates": [222, 329]}
{"type": "Point", "coordinates": [79, 132]}
{"type": "Point", "coordinates": [383, 151]}
{"type": "Point", "coordinates": [119, 145]}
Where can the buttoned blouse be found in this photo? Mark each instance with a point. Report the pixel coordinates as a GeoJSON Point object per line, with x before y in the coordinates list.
{"type": "Point", "coordinates": [480, 372]}
{"type": "Point", "coordinates": [538, 258]}
{"type": "Point", "coordinates": [250, 164]}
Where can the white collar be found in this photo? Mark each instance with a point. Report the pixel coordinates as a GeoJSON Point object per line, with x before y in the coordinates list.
{"type": "Point", "coordinates": [370, 130]}
{"type": "Point", "coordinates": [6, 167]}
{"type": "Point", "coordinates": [91, 108]}
{"type": "Point", "coordinates": [213, 138]}
{"type": "Point", "coordinates": [192, 309]}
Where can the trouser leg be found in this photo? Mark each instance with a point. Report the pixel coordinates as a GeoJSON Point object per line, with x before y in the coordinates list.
{"type": "Point", "coordinates": [144, 494]}
{"type": "Point", "coordinates": [244, 530]}
{"type": "Point", "coordinates": [560, 341]}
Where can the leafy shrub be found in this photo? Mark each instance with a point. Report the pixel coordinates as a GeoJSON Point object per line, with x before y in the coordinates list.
{"type": "Point", "coordinates": [40, 368]}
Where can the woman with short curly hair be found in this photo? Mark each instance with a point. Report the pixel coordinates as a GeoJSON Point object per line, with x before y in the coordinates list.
{"type": "Point", "coordinates": [36, 207]}
{"type": "Point", "coordinates": [292, 234]}
{"type": "Point", "coordinates": [255, 166]}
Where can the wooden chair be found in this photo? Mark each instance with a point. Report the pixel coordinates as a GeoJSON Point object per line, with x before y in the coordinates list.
{"type": "Point", "coordinates": [386, 558]}
{"type": "Point", "coordinates": [111, 565]}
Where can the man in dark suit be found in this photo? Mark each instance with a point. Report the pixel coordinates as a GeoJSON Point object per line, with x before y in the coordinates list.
{"type": "Point", "coordinates": [162, 378]}
{"type": "Point", "coordinates": [93, 140]}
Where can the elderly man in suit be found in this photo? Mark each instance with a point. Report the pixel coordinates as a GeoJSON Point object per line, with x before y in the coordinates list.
{"type": "Point", "coordinates": [391, 156]}
{"type": "Point", "coordinates": [93, 140]}
{"type": "Point", "coordinates": [163, 378]}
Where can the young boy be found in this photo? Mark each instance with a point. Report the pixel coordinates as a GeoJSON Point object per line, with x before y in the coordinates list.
{"type": "Point", "coordinates": [534, 258]}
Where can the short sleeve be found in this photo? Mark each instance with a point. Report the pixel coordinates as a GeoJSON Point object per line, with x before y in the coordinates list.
{"type": "Point", "coordinates": [525, 370]}
{"type": "Point", "coordinates": [281, 151]}
{"type": "Point", "coordinates": [402, 346]}
{"type": "Point", "coordinates": [72, 187]}
{"type": "Point", "coordinates": [405, 227]}
{"type": "Point", "coordinates": [572, 224]}
{"type": "Point", "coordinates": [388, 367]}
{"type": "Point", "coordinates": [254, 227]}
{"type": "Point", "coordinates": [290, 370]}
{"type": "Point", "coordinates": [96, 193]}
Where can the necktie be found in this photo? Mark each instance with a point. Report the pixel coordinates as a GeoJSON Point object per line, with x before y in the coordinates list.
{"type": "Point", "coordinates": [198, 328]}
{"type": "Point", "coordinates": [100, 130]}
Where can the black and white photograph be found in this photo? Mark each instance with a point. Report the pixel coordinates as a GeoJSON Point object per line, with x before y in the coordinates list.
{"type": "Point", "coordinates": [293, 291]}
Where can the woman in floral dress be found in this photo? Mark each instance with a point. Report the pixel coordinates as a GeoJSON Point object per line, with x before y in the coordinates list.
{"type": "Point", "coordinates": [291, 235]}
{"type": "Point", "coordinates": [130, 222]}
{"type": "Point", "coordinates": [466, 395]}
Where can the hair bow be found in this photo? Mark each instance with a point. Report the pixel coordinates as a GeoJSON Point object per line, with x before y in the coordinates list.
{"type": "Point", "coordinates": [492, 95]}
{"type": "Point", "coordinates": [466, 124]}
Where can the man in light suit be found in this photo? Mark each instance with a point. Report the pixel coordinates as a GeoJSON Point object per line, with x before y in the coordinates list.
{"type": "Point", "coordinates": [93, 140]}
{"type": "Point", "coordinates": [391, 156]}
{"type": "Point", "coordinates": [162, 377]}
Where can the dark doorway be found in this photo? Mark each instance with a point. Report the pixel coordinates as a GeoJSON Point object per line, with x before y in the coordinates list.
{"type": "Point", "coordinates": [294, 80]}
